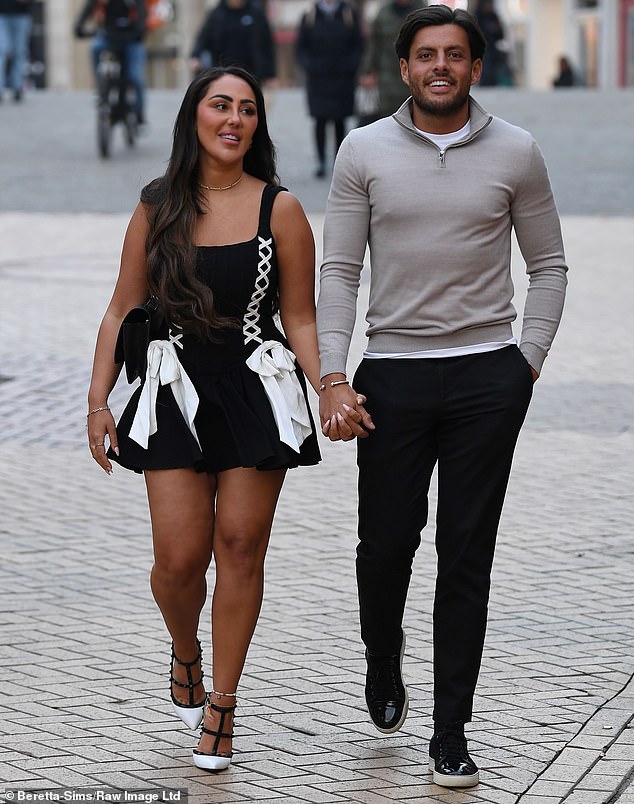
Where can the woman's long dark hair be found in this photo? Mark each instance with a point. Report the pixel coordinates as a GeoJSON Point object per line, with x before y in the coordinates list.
{"type": "Point", "coordinates": [174, 202]}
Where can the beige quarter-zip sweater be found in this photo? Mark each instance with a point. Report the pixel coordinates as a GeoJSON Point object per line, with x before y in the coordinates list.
{"type": "Point", "coordinates": [439, 231]}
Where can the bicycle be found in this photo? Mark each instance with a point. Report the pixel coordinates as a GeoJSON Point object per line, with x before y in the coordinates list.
{"type": "Point", "coordinates": [116, 95]}
{"type": "Point", "coordinates": [116, 100]}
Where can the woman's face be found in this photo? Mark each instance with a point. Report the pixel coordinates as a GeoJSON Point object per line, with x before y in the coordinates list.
{"type": "Point", "coordinates": [226, 119]}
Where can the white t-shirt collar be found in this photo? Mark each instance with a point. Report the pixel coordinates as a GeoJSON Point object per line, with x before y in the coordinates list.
{"type": "Point", "coordinates": [441, 141]}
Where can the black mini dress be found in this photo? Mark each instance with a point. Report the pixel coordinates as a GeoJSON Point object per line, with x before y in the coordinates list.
{"type": "Point", "coordinates": [201, 404]}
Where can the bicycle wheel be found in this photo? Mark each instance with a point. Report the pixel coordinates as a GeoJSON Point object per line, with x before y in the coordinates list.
{"type": "Point", "coordinates": [104, 131]}
{"type": "Point", "coordinates": [131, 127]}
{"type": "Point", "coordinates": [131, 117]}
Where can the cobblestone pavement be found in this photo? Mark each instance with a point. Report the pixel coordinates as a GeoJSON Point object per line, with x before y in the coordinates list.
{"type": "Point", "coordinates": [83, 649]}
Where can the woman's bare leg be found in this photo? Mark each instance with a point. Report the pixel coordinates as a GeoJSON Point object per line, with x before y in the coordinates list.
{"type": "Point", "coordinates": [245, 505]}
{"type": "Point", "coordinates": [182, 513]}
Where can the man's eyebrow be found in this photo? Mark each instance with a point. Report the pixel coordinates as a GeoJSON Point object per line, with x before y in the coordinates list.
{"type": "Point", "coordinates": [430, 49]}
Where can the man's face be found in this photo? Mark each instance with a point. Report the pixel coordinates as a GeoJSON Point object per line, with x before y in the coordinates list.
{"type": "Point", "coordinates": [439, 73]}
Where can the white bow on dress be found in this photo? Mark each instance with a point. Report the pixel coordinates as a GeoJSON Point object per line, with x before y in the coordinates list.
{"type": "Point", "coordinates": [163, 368]}
{"type": "Point", "coordinates": [275, 365]}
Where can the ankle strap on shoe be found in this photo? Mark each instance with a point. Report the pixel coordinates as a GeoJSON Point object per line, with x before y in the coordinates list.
{"type": "Point", "coordinates": [218, 707]}
{"type": "Point", "coordinates": [222, 709]}
{"type": "Point", "coordinates": [193, 661]}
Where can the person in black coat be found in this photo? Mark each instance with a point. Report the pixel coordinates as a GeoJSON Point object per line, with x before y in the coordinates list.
{"type": "Point", "coordinates": [329, 48]}
{"type": "Point", "coordinates": [236, 33]}
{"type": "Point", "coordinates": [495, 70]}
{"type": "Point", "coordinates": [566, 77]}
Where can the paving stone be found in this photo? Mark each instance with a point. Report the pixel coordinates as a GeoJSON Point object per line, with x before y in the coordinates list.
{"type": "Point", "coordinates": [595, 780]}
{"type": "Point", "coordinates": [586, 797]}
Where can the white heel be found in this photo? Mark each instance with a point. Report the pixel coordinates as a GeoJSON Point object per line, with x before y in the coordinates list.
{"type": "Point", "coordinates": [191, 716]}
{"type": "Point", "coordinates": [214, 761]}
{"type": "Point", "coordinates": [190, 713]}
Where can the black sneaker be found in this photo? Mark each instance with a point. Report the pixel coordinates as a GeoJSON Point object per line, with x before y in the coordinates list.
{"type": "Point", "coordinates": [385, 693]}
{"type": "Point", "coordinates": [449, 758]}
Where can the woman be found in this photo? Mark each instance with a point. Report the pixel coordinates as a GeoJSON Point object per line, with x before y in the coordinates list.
{"type": "Point", "coordinates": [221, 247]}
{"type": "Point", "coordinates": [329, 48]}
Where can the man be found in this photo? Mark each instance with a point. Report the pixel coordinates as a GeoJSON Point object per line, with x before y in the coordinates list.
{"type": "Point", "coordinates": [236, 33]}
{"type": "Point", "coordinates": [121, 25]}
{"type": "Point", "coordinates": [380, 64]}
{"type": "Point", "coordinates": [435, 191]}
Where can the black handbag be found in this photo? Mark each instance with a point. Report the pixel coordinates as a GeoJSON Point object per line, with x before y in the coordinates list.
{"type": "Point", "coordinates": [138, 328]}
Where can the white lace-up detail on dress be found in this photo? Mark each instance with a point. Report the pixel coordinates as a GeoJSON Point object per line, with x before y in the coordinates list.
{"type": "Point", "coordinates": [250, 327]}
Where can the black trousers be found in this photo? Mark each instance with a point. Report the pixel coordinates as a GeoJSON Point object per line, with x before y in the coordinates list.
{"type": "Point", "coordinates": [464, 414]}
{"type": "Point", "coordinates": [320, 135]}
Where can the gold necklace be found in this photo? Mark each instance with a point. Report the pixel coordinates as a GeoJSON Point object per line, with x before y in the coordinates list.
{"type": "Point", "coordinates": [226, 187]}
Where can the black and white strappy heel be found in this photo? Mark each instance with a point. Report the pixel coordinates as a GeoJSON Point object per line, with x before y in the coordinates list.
{"type": "Point", "coordinates": [214, 761]}
{"type": "Point", "coordinates": [191, 713]}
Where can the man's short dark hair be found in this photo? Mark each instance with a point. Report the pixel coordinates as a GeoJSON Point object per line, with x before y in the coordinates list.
{"type": "Point", "coordinates": [440, 15]}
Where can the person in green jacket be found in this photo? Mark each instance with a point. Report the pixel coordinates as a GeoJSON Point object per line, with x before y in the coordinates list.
{"type": "Point", "coordinates": [380, 67]}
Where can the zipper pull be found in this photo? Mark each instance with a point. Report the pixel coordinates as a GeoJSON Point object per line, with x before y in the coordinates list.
{"type": "Point", "coordinates": [441, 156]}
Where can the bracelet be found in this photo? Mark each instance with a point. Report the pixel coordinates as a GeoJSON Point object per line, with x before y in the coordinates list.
{"type": "Point", "coordinates": [322, 387]}
{"type": "Point", "coordinates": [97, 410]}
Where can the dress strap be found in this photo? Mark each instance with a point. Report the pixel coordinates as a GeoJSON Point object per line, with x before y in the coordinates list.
{"type": "Point", "coordinates": [269, 195]}
{"type": "Point", "coordinates": [266, 262]}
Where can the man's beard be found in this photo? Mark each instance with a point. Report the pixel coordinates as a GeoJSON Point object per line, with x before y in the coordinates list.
{"type": "Point", "coordinates": [441, 106]}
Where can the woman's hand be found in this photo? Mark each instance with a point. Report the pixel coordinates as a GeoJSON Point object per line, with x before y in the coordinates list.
{"type": "Point", "coordinates": [131, 289]}
{"type": "Point", "coordinates": [101, 424]}
{"type": "Point", "coordinates": [342, 413]}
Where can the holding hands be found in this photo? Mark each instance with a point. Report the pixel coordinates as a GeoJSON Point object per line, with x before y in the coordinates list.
{"type": "Point", "coordinates": [341, 410]}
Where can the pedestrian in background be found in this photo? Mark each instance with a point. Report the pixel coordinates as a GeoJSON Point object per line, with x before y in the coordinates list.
{"type": "Point", "coordinates": [379, 68]}
{"type": "Point", "coordinates": [435, 191]}
{"type": "Point", "coordinates": [566, 75]}
{"type": "Point", "coordinates": [222, 411]}
{"type": "Point", "coordinates": [329, 48]}
{"type": "Point", "coordinates": [495, 68]}
{"type": "Point", "coordinates": [236, 33]}
{"type": "Point", "coordinates": [15, 32]}
{"type": "Point", "coordinates": [120, 26]}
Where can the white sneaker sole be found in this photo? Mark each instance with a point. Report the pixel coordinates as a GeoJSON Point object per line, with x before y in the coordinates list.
{"type": "Point", "coordinates": [453, 781]}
